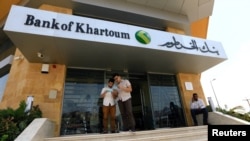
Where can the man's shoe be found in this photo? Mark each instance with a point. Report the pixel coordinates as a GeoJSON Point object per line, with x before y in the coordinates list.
{"type": "Point", "coordinates": [104, 132]}
{"type": "Point", "coordinates": [132, 130]}
{"type": "Point", "coordinates": [125, 130]}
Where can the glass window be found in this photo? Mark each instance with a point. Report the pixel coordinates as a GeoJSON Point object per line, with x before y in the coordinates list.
{"type": "Point", "coordinates": [164, 90]}
{"type": "Point", "coordinates": [81, 103]}
{"type": "Point", "coordinates": [3, 81]}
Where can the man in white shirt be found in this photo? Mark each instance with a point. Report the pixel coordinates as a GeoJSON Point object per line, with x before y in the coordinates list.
{"type": "Point", "coordinates": [125, 102]}
{"type": "Point", "coordinates": [109, 106]}
{"type": "Point", "coordinates": [198, 107]}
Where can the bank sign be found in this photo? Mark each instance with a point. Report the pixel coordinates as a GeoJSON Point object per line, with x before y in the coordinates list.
{"type": "Point", "coordinates": [46, 23]}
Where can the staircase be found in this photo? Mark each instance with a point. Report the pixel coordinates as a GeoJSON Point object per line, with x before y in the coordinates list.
{"type": "Point", "coordinates": [194, 133]}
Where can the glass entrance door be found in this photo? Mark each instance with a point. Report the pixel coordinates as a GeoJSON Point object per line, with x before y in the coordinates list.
{"type": "Point", "coordinates": [141, 101]}
{"type": "Point", "coordinates": [166, 101]}
{"type": "Point", "coordinates": [81, 112]}
{"type": "Point", "coordinates": [151, 98]}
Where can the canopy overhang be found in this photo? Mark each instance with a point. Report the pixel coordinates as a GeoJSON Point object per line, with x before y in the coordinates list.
{"type": "Point", "coordinates": [162, 52]}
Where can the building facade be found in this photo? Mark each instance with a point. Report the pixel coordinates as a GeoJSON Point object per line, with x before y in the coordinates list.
{"type": "Point", "coordinates": [63, 52]}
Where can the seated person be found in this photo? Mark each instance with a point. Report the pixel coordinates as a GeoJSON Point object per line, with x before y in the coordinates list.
{"type": "Point", "coordinates": [198, 107]}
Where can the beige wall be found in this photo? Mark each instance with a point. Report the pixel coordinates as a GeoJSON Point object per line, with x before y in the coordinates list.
{"type": "Point", "coordinates": [5, 8]}
{"type": "Point", "coordinates": [198, 29]}
{"type": "Point", "coordinates": [56, 9]}
{"type": "Point", "coordinates": [26, 79]}
{"type": "Point", "coordinates": [186, 95]}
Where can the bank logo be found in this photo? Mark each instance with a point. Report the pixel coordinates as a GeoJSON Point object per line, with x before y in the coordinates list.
{"type": "Point", "coordinates": [142, 37]}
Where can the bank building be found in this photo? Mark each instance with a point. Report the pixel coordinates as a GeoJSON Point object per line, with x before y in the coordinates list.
{"type": "Point", "coordinates": [62, 53]}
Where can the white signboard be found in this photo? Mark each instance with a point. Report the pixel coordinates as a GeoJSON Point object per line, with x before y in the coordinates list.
{"type": "Point", "coordinates": [189, 86]}
{"type": "Point", "coordinates": [40, 22]}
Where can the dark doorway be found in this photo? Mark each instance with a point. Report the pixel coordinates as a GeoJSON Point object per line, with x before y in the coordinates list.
{"type": "Point", "coordinates": [141, 102]}
{"type": "Point", "coordinates": [151, 98]}
{"type": "Point", "coordinates": [164, 91]}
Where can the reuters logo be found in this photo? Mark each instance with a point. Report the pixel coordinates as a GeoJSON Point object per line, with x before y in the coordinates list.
{"type": "Point", "coordinates": [142, 37]}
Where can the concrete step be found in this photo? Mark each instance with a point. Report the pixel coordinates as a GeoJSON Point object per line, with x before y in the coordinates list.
{"type": "Point", "coordinates": [194, 133]}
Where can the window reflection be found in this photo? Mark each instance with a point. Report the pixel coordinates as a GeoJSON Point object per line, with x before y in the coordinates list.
{"type": "Point", "coordinates": [163, 91]}
{"type": "Point", "coordinates": [81, 102]}
{"type": "Point", "coordinates": [152, 93]}
{"type": "Point", "coordinates": [3, 80]}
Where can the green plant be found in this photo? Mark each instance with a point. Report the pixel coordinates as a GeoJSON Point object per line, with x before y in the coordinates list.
{"type": "Point", "coordinates": [13, 122]}
{"type": "Point", "coordinates": [209, 108]}
{"type": "Point", "coordinates": [232, 113]}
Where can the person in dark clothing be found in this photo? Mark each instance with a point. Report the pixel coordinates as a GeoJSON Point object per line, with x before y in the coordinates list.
{"type": "Point", "coordinates": [174, 116]}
